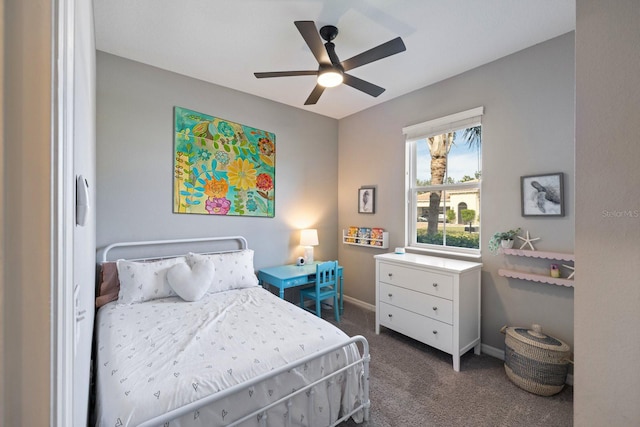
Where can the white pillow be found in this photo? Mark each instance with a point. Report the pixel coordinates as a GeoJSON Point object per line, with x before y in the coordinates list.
{"type": "Point", "coordinates": [191, 283]}
{"type": "Point", "coordinates": [234, 270]}
{"type": "Point", "coordinates": [145, 281]}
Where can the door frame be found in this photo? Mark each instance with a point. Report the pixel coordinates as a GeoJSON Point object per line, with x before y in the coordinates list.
{"type": "Point", "coordinates": [63, 213]}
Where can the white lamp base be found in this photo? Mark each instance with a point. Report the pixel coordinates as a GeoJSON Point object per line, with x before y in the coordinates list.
{"type": "Point", "coordinates": [308, 254]}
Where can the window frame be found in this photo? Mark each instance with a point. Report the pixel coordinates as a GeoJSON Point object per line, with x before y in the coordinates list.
{"type": "Point", "coordinates": [421, 131]}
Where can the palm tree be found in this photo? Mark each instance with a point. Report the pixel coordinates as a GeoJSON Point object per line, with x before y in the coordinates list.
{"type": "Point", "coordinates": [472, 136]}
{"type": "Point", "coordinates": [439, 147]}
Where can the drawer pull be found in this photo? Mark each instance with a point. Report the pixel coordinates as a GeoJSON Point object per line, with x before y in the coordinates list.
{"type": "Point", "coordinates": [435, 332]}
{"type": "Point", "coordinates": [390, 295]}
{"type": "Point", "coordinates": [390, 275]}
{"type": "Point", "coordinates": [435, 308]}
{"type": "Point", "coordinates": [390, 316]}
{"type": "Point", "coordinates": [435, 285]}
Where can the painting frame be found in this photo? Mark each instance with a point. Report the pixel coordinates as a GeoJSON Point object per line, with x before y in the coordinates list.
{"type": "Point", "coordinates": [367, 200]}
{"type": "Point", "coordinates": [221, 167]}
{"type": "Point", "coordinates": [542, 195]}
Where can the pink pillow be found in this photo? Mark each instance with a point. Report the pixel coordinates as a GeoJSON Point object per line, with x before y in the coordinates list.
{"type": "Point", "coordinates": [109, 284]}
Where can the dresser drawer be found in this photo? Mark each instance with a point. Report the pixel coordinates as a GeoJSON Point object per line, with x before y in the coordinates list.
{"type": "Point", "coordinates": [437, 308]}
{"type": "Point", "coordinates": [421, 328]}
{"type": "Point", "coordinates": [428, 282]}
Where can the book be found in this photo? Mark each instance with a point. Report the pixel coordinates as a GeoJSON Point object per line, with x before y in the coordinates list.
{"type": "Point", "coordinates": [352, 234]}
{"type": "Point", "coordinates": [364, 234]}
{"type": "Point", "coordinates": [376, 236]}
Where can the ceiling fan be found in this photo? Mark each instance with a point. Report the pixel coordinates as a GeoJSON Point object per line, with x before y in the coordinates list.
{"type": "Point", "coordinates": [331, 71]}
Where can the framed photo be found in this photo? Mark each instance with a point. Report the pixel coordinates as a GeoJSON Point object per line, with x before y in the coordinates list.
{"type": "Point", "coordinates": [542, 195]}
{"type": "Point", "coordinates": [366, 200]}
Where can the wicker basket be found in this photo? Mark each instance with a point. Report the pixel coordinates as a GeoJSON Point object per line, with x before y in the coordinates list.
{"type": "Point", "coordinates": [535, 362]}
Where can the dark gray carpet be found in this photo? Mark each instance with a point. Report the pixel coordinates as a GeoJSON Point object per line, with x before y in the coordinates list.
{"type": "Point", "coordinates": [413, 384]}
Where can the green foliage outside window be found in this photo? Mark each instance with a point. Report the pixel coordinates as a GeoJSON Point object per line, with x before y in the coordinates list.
{"type": "Point", "coordinates": [468, 215]}
{"type": "Point", "coordinates": [454, 238]}
{"type": "Point", "coordinates": [451, 216]}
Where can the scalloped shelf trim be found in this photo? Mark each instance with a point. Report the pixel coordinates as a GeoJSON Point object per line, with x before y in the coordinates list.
{"type": "Point", "coordinates": [539, 254]}
{"type": "Point", "coordinates": [535, 277]}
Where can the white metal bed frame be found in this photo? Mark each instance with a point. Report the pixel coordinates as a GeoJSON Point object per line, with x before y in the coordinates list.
{"type": "Point", "coordinates": [261, 413]}
{"type": "Point", "coordinates": [104, 252]}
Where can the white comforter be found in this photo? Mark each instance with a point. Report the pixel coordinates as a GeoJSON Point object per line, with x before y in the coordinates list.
{"type": "Point", "coordinates": [159, 355]}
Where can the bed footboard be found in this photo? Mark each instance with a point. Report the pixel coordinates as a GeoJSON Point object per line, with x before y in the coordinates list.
{"type": "Point", "coordinates": [263, 413]}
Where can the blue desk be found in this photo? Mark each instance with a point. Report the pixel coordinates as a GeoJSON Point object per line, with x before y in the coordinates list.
{"type": "Point", "coordinates": [290, 276]}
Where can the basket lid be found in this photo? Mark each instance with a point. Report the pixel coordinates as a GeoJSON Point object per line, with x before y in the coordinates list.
{"type": "Point", "coordinates": [535, 337]}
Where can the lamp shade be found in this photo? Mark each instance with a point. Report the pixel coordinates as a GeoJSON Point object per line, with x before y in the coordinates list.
{"type": "Point", "coordinates": [309, 237]}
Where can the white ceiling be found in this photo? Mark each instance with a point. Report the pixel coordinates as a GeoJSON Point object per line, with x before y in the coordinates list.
{"type": "Point", "coordinates": [225, 41]}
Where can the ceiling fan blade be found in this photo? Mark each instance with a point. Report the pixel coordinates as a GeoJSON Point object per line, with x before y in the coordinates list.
{"type": "Point", "coordinates": [362, 85]}
{"type": "Point", "coordinates": [315, 95]}
{"type": "Point", "coordinates": [382, 51]}
{"type": "Point", "coordinates": [310, 35]}
{"type": "Point", "coordinates": [285, 74]}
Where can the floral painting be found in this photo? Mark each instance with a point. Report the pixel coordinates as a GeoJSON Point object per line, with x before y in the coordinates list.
{"type": "Point", "coordinates": [222, 167]}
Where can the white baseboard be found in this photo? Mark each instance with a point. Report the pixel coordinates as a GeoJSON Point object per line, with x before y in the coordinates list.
{"type": "Point", "coordinates": [492, 351]}
{"type": "Point", "coordinates": [359, 303]}
{"type": "Point", "coordinates": [569, 380]}
{"type": "Point", "coordinates": [499, 354]}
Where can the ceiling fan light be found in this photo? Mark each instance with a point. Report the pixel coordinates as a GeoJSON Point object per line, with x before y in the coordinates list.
{"type": "Point", "coordinates": [330, 78]}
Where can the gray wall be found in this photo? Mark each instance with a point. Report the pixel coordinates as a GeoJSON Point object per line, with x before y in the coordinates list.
{"type": "Point", "coordinates": [607, 378]}
{"type": "Point", "coordinates": [135, 163]}
{"type": "Point", "coordinates": [528, 128]}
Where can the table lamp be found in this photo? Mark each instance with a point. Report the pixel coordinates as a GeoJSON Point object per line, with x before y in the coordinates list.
{"type": "Point", "coordinates": [308, 239]}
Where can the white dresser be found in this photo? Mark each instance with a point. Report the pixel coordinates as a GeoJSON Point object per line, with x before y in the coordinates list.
{"type": "Point", "coordinates": [431, 299]}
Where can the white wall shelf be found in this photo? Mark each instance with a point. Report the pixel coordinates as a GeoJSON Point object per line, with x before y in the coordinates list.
{"type": "Point", "coordinates": [382, 243]}
{"type": "Point", "coordinates": [540, 278]}
{"type": "Point", "coordinates": [539, 254]}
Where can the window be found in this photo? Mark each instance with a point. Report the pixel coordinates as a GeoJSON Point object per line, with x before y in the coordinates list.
{"type": "Point", "coordinates": [443, 171]}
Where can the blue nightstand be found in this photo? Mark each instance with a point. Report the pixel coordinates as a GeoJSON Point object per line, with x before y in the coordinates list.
{"type": "Point", "coordinates": [290, 276]}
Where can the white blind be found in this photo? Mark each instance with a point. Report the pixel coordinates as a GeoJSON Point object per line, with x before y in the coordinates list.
{"type": "Point", "coordinates": [441, 125]}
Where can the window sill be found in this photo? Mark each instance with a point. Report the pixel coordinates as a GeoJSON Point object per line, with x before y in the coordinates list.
{"type": "Point", "coordinates": [443, 253]}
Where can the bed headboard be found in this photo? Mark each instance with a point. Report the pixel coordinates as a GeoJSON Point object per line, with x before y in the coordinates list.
{"type": "Point", "coordinates": [158, 249]}
{"type": "Point", "coordinates": [107, 281]}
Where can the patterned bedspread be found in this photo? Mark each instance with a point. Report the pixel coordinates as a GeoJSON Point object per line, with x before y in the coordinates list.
{"type": "Point", "coordinates": [159, 355]}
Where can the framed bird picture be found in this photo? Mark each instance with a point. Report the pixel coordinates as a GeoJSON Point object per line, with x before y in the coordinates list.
{"type": "Point", "coordinates": [542, 195]}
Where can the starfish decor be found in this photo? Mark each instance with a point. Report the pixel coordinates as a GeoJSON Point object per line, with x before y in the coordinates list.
{"type": "Point", "coordinates": [528, 241]}
{"type": "Point", "coordinates": [573, 270]}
